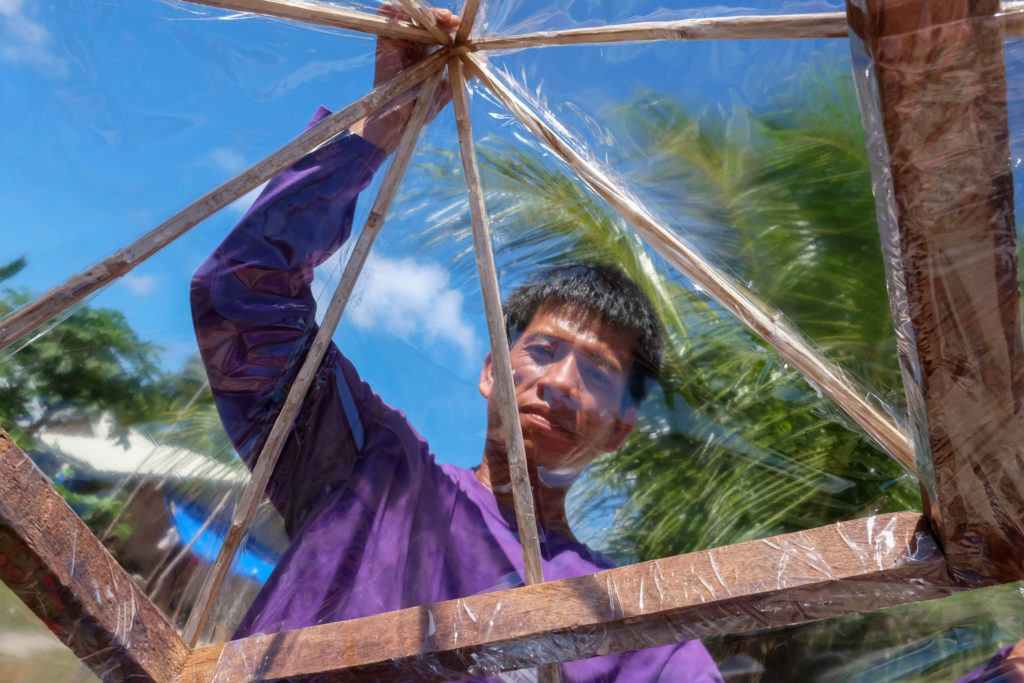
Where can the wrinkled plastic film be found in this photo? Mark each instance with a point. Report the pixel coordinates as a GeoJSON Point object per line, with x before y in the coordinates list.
{"type": "Point", "coordinates": [120, 420]}
{"type": "Point", "coordinates": [731, 446]}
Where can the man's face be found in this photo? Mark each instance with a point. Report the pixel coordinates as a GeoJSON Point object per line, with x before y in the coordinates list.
{"type": "Point", "coordinates": [570, 376]}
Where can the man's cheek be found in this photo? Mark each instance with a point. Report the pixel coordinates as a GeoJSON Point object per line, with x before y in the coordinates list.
{"type": "Point", "coordinates": [605, 416]}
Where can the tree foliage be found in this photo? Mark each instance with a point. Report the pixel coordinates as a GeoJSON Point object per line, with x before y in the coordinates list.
{"type": "Point", "coordinates": [91, 363]}
{"type": "Point", "coordinates": [734, 444]}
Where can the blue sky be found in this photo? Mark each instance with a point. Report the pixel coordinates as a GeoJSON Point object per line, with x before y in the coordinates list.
{"type": "Point", "coordinates": [119, 113]}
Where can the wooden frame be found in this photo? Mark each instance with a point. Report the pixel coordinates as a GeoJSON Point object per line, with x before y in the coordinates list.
{"type": "Point", "coordinates": [846, 567]}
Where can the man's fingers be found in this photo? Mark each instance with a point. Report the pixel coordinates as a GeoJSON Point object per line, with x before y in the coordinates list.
{"type": "Point", "coordinates": [445, 19]}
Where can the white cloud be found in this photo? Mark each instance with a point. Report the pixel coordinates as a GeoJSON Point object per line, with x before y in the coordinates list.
{"type": "Point", "coordinates": [24, 41]}
{"type": "Point", "coordinates": [139, 284]}
{"type": "Point", "coordinates": [242, 204]}
{"type": "Point", "coordinates": [233, 162]}
{"type": "Point", "coordinates": [228, 158]}
{"type": "Point", "coordinates": [413, 301]}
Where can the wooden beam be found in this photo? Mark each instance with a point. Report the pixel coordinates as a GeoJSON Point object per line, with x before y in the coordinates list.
{"type": "Point", "coordinates": [51, 560]}
{"type": "Point", "coordinates": [847, 567]}
{"type": "Point", "coordinates": [323, 14]}
{"type": "Point", "coordinates": [934, 107]}
{"type": "Point", "coordinates": [767, 323]}
{"type": "Point", "coordinates": [777, 27]}
{"type": "Point", "coordinates": [245, 513]}
{"type": "Point", "coordinates": [79, 286]}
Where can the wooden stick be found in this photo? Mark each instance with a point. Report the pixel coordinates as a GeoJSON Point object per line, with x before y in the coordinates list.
{"type": "Point", "coordinates": [785, 27]}
{"type": "Point", "coordinates": [51, 560]}
{"type": "Point", "coordinates": [468, 16]}
{"type": "Point", "coordinates": [323, 14]}
{"type": "Point", "coordinates": [155, 583]}
{"type": "Point", "coordinates": [522, 493]}
{"type": "Point", "coordinates": [935, 98]}
{"type": "Point", "coordinates": [244, 514]}
{"type": "Point", "coordinates": [863, 564]}
{"type": "Point", "coordinates": [424, 18]}
{"type": "Point", "coordinates": [59, 298]}
{"type": "Point", "coordinates": [768, 324]}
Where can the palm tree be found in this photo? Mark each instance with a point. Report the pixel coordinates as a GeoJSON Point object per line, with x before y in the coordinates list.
{"type": "Point", "coordinates": [733, 444]}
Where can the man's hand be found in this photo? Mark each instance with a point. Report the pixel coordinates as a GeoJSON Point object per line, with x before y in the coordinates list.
{"type": "Point", "coordinates": [385, 127]}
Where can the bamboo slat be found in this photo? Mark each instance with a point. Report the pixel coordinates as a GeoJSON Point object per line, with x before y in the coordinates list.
{"type": "Point", "coordinates": [774, 27]}
{"type": "Point", "coordinates": [501, 363]}
{"type": "Point", "coordinates": [469, 11]}
{"type": "Point", "coordinates": [323, 14]}
{"type": "Point", "coordinates": [781, 27]}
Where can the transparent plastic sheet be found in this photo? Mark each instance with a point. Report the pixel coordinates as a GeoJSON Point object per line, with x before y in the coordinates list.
{"type": "Point", "coordinates": [746, 421]}
{"type": "Point", "coordinates": [119, 115]}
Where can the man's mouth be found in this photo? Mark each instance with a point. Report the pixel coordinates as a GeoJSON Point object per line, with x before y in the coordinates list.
{"type": "Point", "coordinates": [537, 419]}
{"type": "Point", "coordinates": [545, 419]}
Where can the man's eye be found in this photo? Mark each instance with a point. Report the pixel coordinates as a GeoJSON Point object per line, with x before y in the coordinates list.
{"type": "Point", "coordinates": [540, 351]}
{"type": "Point", "coordinates": [599, 376]}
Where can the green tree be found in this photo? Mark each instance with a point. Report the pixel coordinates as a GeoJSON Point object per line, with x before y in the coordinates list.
{"type": "Point", "coordinates": [93, 364]}
{"type": "Point", "coordinates": [90, 363]}
{"type": "Point", "coordinates": [734, 444]}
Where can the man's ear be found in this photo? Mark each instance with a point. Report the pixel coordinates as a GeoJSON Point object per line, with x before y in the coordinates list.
{"type": "Point", "coordinates": [487, 377]}
{"type": "Point", "coordinates": [624, 424]}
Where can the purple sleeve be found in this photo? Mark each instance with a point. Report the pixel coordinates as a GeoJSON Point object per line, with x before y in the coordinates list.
{"type": "Point", "coordinates": [998, 669]}
{"type": "Point", "coordinates": [253, 312]}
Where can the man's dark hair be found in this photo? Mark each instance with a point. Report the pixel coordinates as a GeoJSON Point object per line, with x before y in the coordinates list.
{"type": "Point", "coordinates": [601, 289]}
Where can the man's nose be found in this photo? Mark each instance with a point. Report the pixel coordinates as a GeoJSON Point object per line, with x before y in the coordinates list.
{"type": "Point", "coordinates": [562, 381]}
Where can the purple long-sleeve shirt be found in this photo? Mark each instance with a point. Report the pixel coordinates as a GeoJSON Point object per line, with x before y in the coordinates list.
{"type": "Point", "coordinates": [375, 524]}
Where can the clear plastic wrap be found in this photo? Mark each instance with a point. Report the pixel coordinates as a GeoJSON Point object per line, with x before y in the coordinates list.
{"type": "Point", "coordinates": [749, 151]}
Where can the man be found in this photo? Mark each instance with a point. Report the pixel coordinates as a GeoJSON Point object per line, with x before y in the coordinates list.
{"type": "Point", "coordinates": [375, 524]}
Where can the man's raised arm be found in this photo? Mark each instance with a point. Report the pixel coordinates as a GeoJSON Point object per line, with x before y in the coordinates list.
{"type": "Point", "coordinates": [254, 314]}
{"type": "Point", "coordinates": [254, 311]}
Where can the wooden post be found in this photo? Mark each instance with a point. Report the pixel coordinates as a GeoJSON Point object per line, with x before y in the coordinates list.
{"type": "Point", "coordinates": [795, 578]}
{"type": "Point", "coordinates": [933, 97]}
{"type": "Point", "coordinates": [51, 560]}
{"type": "Point", "coordinates": [245, 513]}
